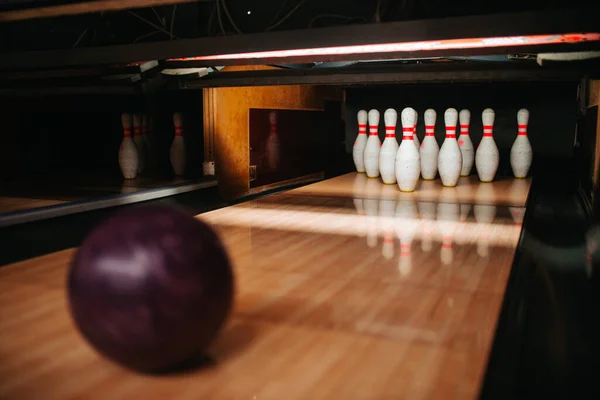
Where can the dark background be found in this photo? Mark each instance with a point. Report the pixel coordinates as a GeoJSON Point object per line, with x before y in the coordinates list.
{"type": "Point", "coordinates": [81, 135]}
{"type": "Point", "coordinates": [300, 133]}
{"type": "Point", "coordinates": [201, 19]}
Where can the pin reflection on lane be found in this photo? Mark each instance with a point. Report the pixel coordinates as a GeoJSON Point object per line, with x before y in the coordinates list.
{"type": "Point", "coordinates": [407, 223]}
{"type": "Point", "coordinates": [448, 217]}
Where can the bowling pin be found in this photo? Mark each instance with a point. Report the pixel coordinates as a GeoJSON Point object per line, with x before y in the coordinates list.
{"type": "Point", "coordinates": [177, 152]}
{"type": "Point", "coordinates": [430, 149]}
{"type": "Point", "coordinates": [128, 155]}
{"type": "Point", "coordinates": [487, 156]}
{"type": "Point", "coordinates": [360, 142]}
{"type": "Point", "coordinates": [408, 162]}
{"type": "Point", "coordinates": [272, 145]}
{"type": "Point", "coordinates": [389, 148]}
{"type": "Point", "coordinates": [138, 139]}
{"type": "Point", "coordinates": [450, 157]}
{"type": "Point", "coordinates": [465, 143]}
{"type": "Point", "coordinates": [521, 154]}
{"type": "Point", "coordinates": [371, 155]}
{"type": "Point", "coordinates": [415, 137]}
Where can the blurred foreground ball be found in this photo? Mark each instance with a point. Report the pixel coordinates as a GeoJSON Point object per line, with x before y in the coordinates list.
{"type": "Point", "coordinates": [150, 287]}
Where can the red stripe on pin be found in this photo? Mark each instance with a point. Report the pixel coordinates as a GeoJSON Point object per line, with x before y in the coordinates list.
{"type": "Point", "coordinates": [451, 128]}
{"type": "Point", "coordinates": [390, 135]}
{"type": "Point", "coordinates": [450, 135]}
{"type": "Point", "coordinates": [362, 126]}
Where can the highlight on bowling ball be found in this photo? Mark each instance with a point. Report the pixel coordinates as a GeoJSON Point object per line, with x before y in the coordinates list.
{"type": "Point", "coordinates": [150, 288]}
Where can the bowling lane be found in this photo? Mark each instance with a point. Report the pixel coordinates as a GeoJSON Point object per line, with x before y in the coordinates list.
{"type": "Point", "coordinates": [504, 191]}
{"type": "Point", "coordinates": [352, 293]}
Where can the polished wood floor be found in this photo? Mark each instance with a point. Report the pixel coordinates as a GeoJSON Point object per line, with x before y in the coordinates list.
{"type": "Point", "coordinates": [346, 289]}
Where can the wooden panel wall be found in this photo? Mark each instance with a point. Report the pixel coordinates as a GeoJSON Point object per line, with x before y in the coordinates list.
{"type": "Point", "coordinates": [593, 102]}
{"type": "Point", "coordinates": [231, 127]}
{"type": "Point", "coordinates": [591, 134]}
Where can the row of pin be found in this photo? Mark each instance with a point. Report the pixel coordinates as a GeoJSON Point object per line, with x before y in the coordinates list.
{"type": "Point", "coordinates": [134, 152]}
{"type": "Point", "coordinates": [404, 163]}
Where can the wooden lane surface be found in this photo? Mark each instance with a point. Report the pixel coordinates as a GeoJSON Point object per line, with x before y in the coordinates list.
{"type": "Point", "coordinates": [323, 308]}
{"type": "Point", "coordinates": [504, 191]}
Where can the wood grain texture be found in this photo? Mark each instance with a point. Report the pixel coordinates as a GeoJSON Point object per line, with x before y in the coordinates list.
{"type": "Point", "coordinates": [233, 131]}
{"type": "Point", "coordinates": [231, 108]}
{"type": "Point", "coordinates": [503, 191]}
{"type": "Point", "coordinates": [322, 311]}
{"type": "Point", "coordinates": [208, 98]}
{"type": "Point", "coordinates": [82, 8]}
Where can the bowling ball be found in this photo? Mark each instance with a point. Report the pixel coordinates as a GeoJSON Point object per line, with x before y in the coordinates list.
{"type": "Point", "coordinates": [150, 288]}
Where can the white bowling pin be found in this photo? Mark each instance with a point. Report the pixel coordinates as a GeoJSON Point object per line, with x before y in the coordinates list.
{"type": "Point", "coordinates": [371, 155]}
{"type": "Point", "coordinates": [408, 162]}
{"type": "Point", "coordinates": [360, 142]}
{"type": "Point", "coordinates": [450, 157]}
{"type": "Point", "coordinates": [465, 143]}
{"type": "Point", "coordinates": [138, 139]}
{"type": "Point", "coordinates": [487, 156]}
{"type": "Point", "coordinates": [177, 152]}
{"type": "Point", "coordinates": [430, 149]}
{"type": "Point", "coordinates": [128, 155]}
{"type": "Point", "coordinates": [389, 148]}
{"type": "Point", "coordinates": [415, 137]}
{"type": "Point", "coordinates": [521, 153]}
{"type": "Point", "coordinates": [272, 145]}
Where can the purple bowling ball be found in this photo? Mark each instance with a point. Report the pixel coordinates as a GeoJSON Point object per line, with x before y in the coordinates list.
{"type": "Point", "coordinates": [151, 287]}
